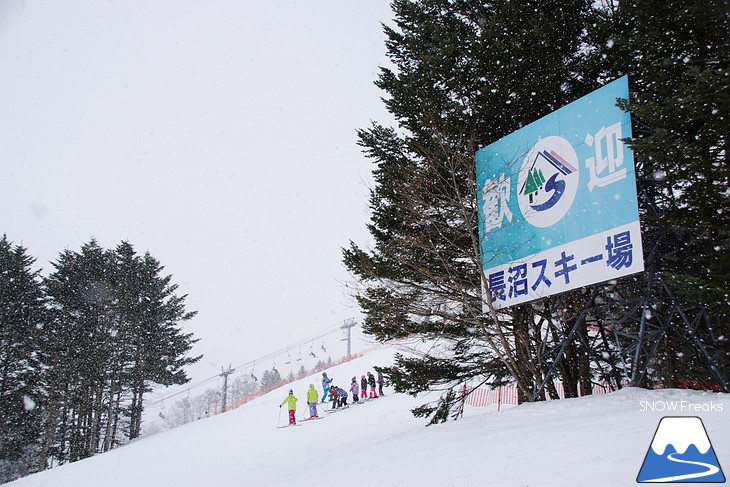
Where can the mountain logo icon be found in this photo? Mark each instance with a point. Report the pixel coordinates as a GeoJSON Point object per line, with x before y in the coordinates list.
{"type": "Point", "coordinates": [548, 181]}
{"type": "Point", "coordinates": [681, 452]}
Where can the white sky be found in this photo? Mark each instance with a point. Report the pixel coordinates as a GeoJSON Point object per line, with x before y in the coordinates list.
{"type": "Point", "coordinates": [219, 135]}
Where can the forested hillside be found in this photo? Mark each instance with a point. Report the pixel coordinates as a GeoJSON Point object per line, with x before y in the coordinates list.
{"type": "Point", "coordinates": [78, 350]}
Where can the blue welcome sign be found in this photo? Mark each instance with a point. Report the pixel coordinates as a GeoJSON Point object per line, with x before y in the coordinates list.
{"type": "Point", "coordinates": [557, 202]}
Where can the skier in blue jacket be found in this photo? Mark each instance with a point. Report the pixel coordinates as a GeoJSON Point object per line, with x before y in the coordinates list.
{"type": "Point", "coordinates": [326, 386]}
{"type": "Point", "coordinates": [341, 399]}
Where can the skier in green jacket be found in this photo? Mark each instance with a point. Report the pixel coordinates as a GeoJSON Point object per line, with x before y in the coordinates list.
{"type": "Point", "coordinates": [291, 402]}
{"type": "Point", "coordinates": [312, 400]}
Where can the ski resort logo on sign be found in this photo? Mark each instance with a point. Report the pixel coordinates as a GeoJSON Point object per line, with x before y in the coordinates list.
{"type": "Point", "coordinates": [548, 181]}
{"type": "Point", "coordinates": [681, 452]}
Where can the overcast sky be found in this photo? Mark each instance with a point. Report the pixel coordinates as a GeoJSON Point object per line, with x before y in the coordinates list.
{"type": "Point", "coordinates": [219, 136]}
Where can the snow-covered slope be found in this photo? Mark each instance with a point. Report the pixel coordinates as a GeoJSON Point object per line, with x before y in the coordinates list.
{"type": "Point", "coordinates": [590, 441]}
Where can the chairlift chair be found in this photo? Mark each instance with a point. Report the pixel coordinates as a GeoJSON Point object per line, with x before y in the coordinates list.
{"type": "Point", "coordinates": [186, 400]}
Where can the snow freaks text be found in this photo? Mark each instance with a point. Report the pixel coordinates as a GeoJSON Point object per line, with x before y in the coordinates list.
{"type": "Point", "coordinates": [680, 407]}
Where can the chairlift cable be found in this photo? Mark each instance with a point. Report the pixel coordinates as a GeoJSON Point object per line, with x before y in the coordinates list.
{"type": "Point", "coordinates": [310, 339]}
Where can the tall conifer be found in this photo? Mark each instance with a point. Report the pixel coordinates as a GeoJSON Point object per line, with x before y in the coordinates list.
{"type": "Point", "coordinates": [22, 318]}
{"type": "Point", "coordinates": [465, 74]}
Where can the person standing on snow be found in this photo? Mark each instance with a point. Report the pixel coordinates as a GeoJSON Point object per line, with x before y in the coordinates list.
{"type": "Point", "coordinates": [371, 383]}
{"type": "Point", "coordinates": [326, 386]}
{"type": "Point", "coordinates": [355, 389]}
{"type": "Point", "coordinates": [342, 396]}
{"type": "Point", "coordinates": [364, 387]}
{"type": "Point", "coordinates": [381, 382]}
{"type": "Point", "coordinates": [312, 396]}
{"type": "Point", "coordinates": [334, 397]}
{"type": "Point", "coordinates": [291, 403]}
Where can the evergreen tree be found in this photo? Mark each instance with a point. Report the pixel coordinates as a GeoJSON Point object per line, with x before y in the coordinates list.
{"type": "Point", "coordinates": [22, 317]}
{"type": "Point", "coordinates": [676, 54]}
{"type": "Point", "coordinates": [115, 331]}
{"type": "Point", "coordinates": [270, 378]}
{"type": "Point", "coordinates": [467, 73]}
{"type": "Point", "coordinates": [151, 313]}
{"type": "Point", "coordinates": [80, 342]}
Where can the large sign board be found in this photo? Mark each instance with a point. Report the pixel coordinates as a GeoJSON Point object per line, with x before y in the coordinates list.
{"type": "Point", "coordinates": [557, 202]}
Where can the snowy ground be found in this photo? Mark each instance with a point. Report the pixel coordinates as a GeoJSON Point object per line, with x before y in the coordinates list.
{"type": "Point", "coordinates": [591, 441]}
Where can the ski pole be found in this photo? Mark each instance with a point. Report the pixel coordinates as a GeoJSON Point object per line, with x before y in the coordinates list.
{"type": "Point", "coordinates": [278, 421]}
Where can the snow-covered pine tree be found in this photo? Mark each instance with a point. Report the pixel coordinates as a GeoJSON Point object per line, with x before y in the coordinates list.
{"type": "Point", "coordinates": [677, 55]}
{"type": "Point", "coordinates": [151, 314]}
{"type": "Point", "coordinates": [270, 377]}
{"type": "Point", "coordinates": [115, 330]}
{"type": "Point", "coordinates": [465, 74]}
{"type": "Point", "coordinates": [79, 351]}
{"type": "Point", "coordinates": [22, 317]}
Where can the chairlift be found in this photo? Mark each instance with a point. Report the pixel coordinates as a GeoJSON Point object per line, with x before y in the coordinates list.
{"type": "Point", "coordinates": [299, 357]}
{"type": "Point", "coordinates": [288, 357]}
{"type": "Point", "coordinates": [253, 367]}
{"type": "Point", "coordinates": [322, 347]}
{"type": "Point", "coordinates": [311, 350]}
{"type": "Point", "coordinates": [186, 400]}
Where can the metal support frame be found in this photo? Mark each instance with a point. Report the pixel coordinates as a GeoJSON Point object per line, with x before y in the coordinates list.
{"type": "Point", "coordinates": [633, 316]}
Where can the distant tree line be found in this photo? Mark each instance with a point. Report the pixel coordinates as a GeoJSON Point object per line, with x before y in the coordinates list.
{"type": "Point", "coordinates": [79, 349]}
{"type": "Point", "coordinates": [466, 73]}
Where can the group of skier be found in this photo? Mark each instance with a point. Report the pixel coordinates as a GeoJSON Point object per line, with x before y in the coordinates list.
{"type": "Point", "coordinates": [336, 394]}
